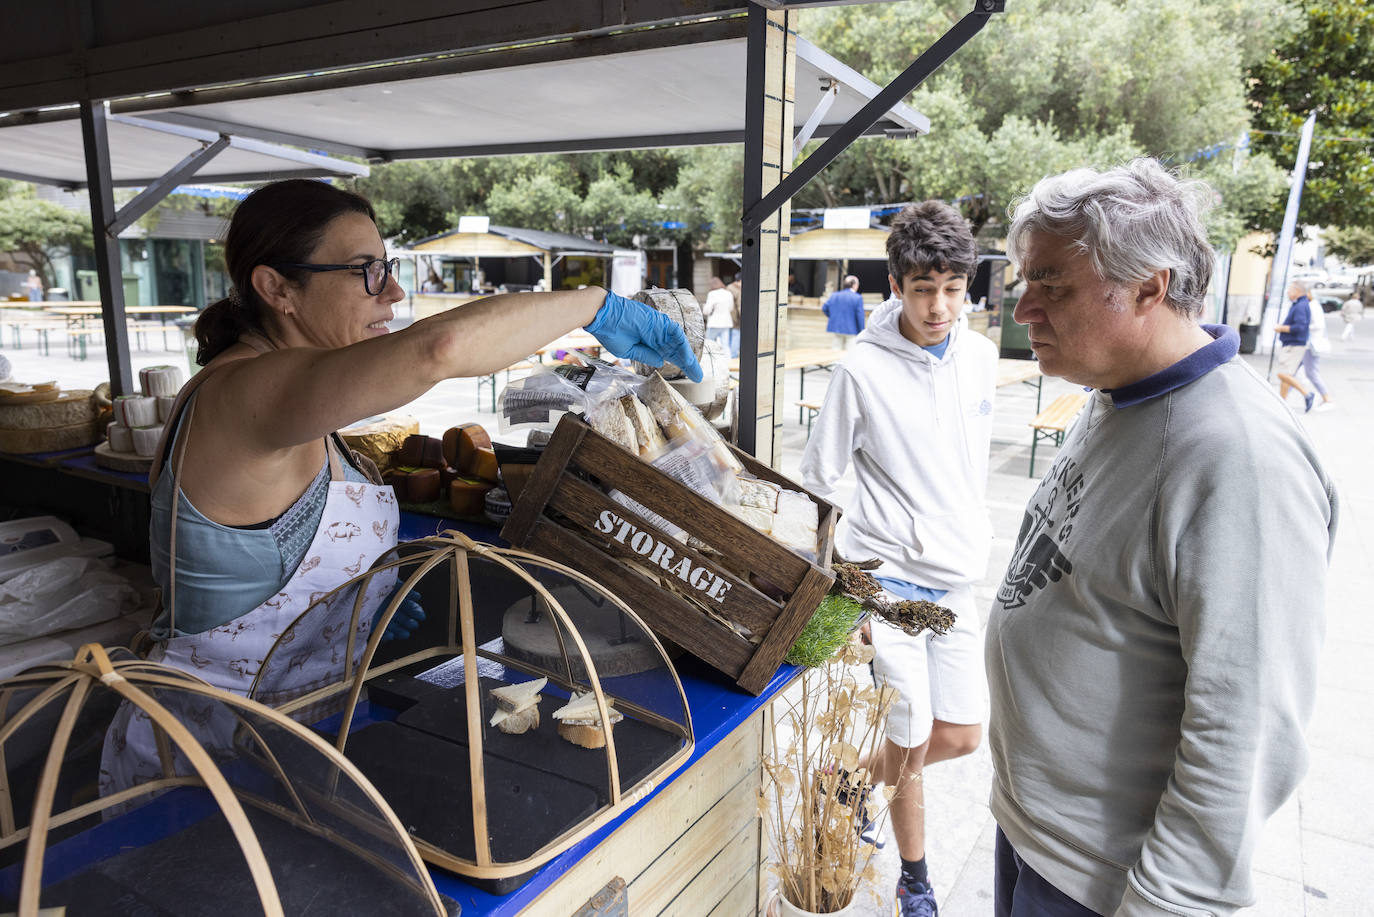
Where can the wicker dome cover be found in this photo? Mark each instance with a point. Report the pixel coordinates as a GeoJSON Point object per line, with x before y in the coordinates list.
{"type": "Point", "coordinates": [478, 801]}
{"type": "Point", "coordinates": [264, 818]}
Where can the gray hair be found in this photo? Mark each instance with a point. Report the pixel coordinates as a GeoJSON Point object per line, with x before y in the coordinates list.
{"type": "Point", "coordinates": [1130, 221]}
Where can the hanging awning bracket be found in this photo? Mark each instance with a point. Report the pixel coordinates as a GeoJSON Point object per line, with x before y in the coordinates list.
{"type": "Point", "coordinates": [905, 83]}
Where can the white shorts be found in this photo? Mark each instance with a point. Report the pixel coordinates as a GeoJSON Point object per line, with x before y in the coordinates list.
{"type": "Point", "coordinates": [939, 677]}
{"type": "Point", "coordinates": [1290, 358]}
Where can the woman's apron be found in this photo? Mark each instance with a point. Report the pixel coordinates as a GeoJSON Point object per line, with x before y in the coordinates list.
{"type": "Point", "coordinates": [359, 523]}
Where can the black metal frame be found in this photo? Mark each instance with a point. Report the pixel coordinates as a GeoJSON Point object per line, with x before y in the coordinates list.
{"type": "Point", "coordinates": [758, 207]}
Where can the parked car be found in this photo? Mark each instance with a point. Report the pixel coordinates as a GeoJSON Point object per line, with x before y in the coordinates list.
{"type": "Point", "coordinates": [1328, 300]}
{"type": "Point", "coordinates": [1314, 277]}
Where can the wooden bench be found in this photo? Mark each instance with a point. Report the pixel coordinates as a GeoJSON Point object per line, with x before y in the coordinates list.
{"type": "Point", "coordinates": [808, 410]}
{"type": "Point", "coordinates": [490, 379]}
{"type": "Point", "coordinates": [1053, 422]}
{"type": "Point", "coordinates": [77, 338]}
{"type": "Point", "coordinates": [139, 329]}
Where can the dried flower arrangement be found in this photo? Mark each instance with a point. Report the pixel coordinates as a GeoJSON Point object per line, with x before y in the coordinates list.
{"type": "Point", "coordinates": [815, 798]}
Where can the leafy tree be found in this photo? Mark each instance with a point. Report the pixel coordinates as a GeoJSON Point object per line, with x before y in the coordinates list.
{"type": "Point", "coordinates": [1353, 245]}
{"type": "Point", "coordinates": [615, 211]}
{"type": "Point", "coordinates": [1020, 101]}
{"type": "Point", "coordinates": [36, 229]}
{"type": "Point", "coordinates": [541, 200]}
{"type": "Point", "coordinates": [1327, 67]}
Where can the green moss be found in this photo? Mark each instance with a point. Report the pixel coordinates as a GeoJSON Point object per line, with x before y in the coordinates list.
{"type": "Point", "coordinates": [827, 631]}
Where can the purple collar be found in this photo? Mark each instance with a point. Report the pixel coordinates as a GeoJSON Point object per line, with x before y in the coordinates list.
{"type": "Point", "coordinates": [1225, 345]}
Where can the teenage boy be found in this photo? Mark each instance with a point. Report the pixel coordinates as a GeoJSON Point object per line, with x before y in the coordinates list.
{"type": "Point", "coordinates": [911, 406]}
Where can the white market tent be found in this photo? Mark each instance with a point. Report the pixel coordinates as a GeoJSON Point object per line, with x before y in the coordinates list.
{"type": "Point", "coordinates": [162, 94]}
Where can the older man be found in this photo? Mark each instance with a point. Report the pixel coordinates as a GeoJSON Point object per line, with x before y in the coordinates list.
{"type": "Point", "coordinates": [844, 312]}
{"type": "Point", "coordinates": [1294, 334]}
{"type": "Point", "coordinates": [1152, 650]}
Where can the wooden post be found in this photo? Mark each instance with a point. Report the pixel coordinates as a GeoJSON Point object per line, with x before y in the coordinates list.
{"type": "Point", "coordinates": [767, 161]}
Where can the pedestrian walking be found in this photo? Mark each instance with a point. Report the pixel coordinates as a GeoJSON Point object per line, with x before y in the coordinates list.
{"type": "Point", "coordinates": [1317, 344]}
{"type": "Point", "coordinates": [719, 310]}
{"type": "Point", "coordinates": [1352, 310]}
{"type": "Point", "coordinates": [1293, 334]}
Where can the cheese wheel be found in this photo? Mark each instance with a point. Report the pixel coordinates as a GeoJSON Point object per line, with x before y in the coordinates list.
{"type": "Point", "coordinates": [378, 439]}
{"type": "Point", "coordinates": [399, 482]}
{"type": "Point", "coordinates": [160, 380]}
{"type": "Point", "coordinates": [424, 485]}
{"type": "Point", "coordinates": [136, 410]}
{"type": "Point", "coordinates": [484, 465]}
{"type": "Point", "coordinates": [471, 437]}
{"type": "Point", "coordinates": [121, 437]}
{"type": "Point", "coordinates": [63, 409]}
{"type": "Point", "coordinates": [145, 439]}
{"type": "Point", "coordinates": [417, 452]}
{"type": "Point", "coordinates": [468, 497]}
{"type": "Point", "coordinates": [496, 506]}
{"type": "Point", "coordinates": [164, 406]}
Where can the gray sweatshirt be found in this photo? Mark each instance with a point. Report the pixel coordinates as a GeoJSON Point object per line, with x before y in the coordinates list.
{"type": "Point", "coordinates": [1152, 650]}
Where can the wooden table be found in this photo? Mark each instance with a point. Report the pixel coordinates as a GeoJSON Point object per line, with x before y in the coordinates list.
{"type": "Point", "coordinates": [804, 360]}
{"type": "Point", "coordinates": [1027, 371]}
{"type": "Point", "coordinates": [77, 313]}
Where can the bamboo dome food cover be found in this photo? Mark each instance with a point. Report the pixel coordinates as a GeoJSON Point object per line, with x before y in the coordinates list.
{"type": "Point", "coordinates": [483, 728]}
{"type": "Point", "coordinates": [272, 822]}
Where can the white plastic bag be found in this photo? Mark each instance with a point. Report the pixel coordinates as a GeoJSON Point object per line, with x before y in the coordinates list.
{"type": "Point", "coordinates": [62, 594]}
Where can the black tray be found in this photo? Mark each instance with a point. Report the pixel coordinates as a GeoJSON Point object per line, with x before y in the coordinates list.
{"type": "Point", "coordinates": [427, 782]}
{"type": "Point", "coordinates": [639, 747]}
{"type": "Point", "coordinates": [200, 872]}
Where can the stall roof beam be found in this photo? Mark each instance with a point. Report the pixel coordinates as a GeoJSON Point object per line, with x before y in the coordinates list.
{"type": "Point", "coordinates": [153, 194]}
{"type": "Point", "coordinates": [127, 51]}
{"type": "Point", "coordinates": [906, 82]}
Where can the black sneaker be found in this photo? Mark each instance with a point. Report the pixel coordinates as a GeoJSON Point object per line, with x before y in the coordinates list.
{"type": "Point", "coordinates": [867, 830]}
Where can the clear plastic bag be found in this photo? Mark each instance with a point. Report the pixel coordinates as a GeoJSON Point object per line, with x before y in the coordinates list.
{"type": "Point", "coordinates": [62, 594]}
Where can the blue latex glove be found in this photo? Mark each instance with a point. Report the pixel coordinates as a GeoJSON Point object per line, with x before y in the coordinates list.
{"type": "Point", "coordinates": [407, 618]}
{"type": "Point", "coordinates": [637, 331]}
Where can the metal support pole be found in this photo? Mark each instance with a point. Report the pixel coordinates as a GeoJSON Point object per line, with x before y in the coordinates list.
{"type": "Point", "coordinates": [943, 48]}
{"type": "Point", "coordinates": [100, 187]}
{"type": "Point", "coordinates": [769, 81]}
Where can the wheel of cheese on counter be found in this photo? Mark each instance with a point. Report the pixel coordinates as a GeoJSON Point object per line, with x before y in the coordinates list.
{"type": "Point", "coordinates": [63, 409]}
{"type": "Point", "coordinates": [121, 438]}
{"type": "Point", "coordinates": [136, 410]}
{"type": "Point", "coordinates": [146, 439]}
{"type": "Point", "coordinates": [160, 380]}
{"type": "Point", "coordinates": [682, 307]}
{"type": "Point", "coordinates": [378, 437]}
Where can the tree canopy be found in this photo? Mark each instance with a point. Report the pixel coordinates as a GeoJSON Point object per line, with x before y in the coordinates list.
{"type": "Point", "coordinates": [36, 229]}
{"type": "Point", "coordinates": [1046, 86]}
{"type": "Point", "coordinates": [1326, 66]}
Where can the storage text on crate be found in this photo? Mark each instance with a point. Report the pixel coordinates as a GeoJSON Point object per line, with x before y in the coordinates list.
{"type": "Point", "coordinates": [652, 546]}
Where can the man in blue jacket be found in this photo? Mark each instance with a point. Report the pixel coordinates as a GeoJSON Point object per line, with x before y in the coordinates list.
{"type": "Point", "coordinates": [1293, 343]}
{"type": "Point", "coordinates": [845, 311]}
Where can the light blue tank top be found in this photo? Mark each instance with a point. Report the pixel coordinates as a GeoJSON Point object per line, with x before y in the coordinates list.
{"type": "Point", "coordinates": [225, 571]}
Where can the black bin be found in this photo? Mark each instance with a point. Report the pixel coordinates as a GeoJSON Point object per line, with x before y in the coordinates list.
{"type": "Point", "coordinates": [1249, 337]}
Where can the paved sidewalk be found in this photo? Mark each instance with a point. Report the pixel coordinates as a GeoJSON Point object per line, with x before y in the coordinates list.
{"type": "Point", "coordinates": [1317, 857]}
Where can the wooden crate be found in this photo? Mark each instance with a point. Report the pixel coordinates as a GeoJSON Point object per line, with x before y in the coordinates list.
{"type": "Point", "coordinates": [565, 509]}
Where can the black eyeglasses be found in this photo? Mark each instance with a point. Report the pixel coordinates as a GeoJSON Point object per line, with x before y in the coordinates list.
{"type": "Point", "coordinates": [375, 272]}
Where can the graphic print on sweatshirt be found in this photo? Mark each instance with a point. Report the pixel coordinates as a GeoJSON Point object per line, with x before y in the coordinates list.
{"type": "Point", "coordinates": [1040, 558]}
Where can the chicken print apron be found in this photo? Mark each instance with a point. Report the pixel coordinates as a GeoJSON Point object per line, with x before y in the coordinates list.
{"type": "Point", "coordinates": [359, 524]}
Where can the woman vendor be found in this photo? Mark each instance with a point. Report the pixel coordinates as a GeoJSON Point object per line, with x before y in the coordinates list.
{"type": "Point", "coordinates": [272, 511]}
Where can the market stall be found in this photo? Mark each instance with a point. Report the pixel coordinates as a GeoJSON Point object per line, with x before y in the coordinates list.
{"type": "Point", "coordinates": [474, 262]}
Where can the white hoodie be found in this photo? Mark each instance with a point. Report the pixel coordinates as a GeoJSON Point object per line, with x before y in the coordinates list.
{"type": "Point", "coordinates": [919, 430]}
